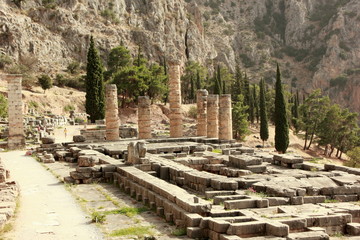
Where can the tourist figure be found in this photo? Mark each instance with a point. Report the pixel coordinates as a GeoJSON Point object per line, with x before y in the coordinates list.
{"type": "Point", "coordinates": [65, 132]}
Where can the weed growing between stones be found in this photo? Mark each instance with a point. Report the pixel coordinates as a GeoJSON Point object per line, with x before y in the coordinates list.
{"type": "Point", "coordinates": [128, 211]}
{"type": "Point", "coordinates": [98, 217]}
{"type": "Point", "coordinates": [251, 191]}
{"type": "Point", "coordinates": [139, 231]}
{"type": "Point", "coordinates": [331, 201]}
{"type": "Point", "coordinates": [179, 232]}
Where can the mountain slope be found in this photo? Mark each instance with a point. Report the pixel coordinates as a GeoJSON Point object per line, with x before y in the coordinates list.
{"type": "Point", "coordinates": [315, 41]}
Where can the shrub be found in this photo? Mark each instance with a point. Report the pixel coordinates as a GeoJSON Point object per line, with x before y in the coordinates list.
{"type": "Point", "coordinates": [60, 80]}
{"type": "Point", "coordinates": [192, 113]}
{"type": "Point", "coordinates": [45, 82]}
{"type": "Point", "coordinates": [3, 106]}
{"type": "Point", "coordinates": [340, 81]}
{"type": "Point", "coordinates": [73, 67]}
{"type": "Point", "coordinates": [354, 156]}
{"type": "Point", "coordinates": [33, 104]}
{"type": "Point", "coordinates": [69, 108]}
{"type": "Point", "coordinates": [4, 61]}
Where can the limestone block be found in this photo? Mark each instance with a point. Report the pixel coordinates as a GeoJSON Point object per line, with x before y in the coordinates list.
{"type": "Point", "coordinates": [353, 229]}
{"type": "Point", "coordinates": [87, 161]}
{"type": "Point", "coordinates": [48, 140]}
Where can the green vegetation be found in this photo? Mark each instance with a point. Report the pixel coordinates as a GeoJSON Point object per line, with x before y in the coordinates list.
{"type": "Point", "coordinates": [281, 122]}
{"type": "Point", "coordinates": [128, 211]}
{"type": "Point", "coordinates": [69, 108]}
{"type": "Point", "coordinates": [4, 61]}
{"type": "Point", "coordinates": [136, 77]}
{"type": "Point", "coordinates": [3, 106]}
{"type": "Point", "coordinates": [339, 81]}
{"type": "Point", "coordinates": [326, 10]}
{"type": "Point", "coordinates": [98, 217]}
{"type": "Point", "coordinates": [139, 231]}
{"type": "Point", "coordinates": [192, 113]}
{"type": "Point", "coordinates": [95, 95]}
{"type": "Point", "coordinates": [354, 156]}
{"type": "Point", "coordinates": [45, 82]}
{"type": "Point", "coordinates": [49, 3]}
{"type": "Point", "coordinates": [252, 192]}
{"type": "Point", "coordinates": [179, 232]}
{"type": "Point", "coordinates": [73, 67]}
{"type": "Point", "coordinates": [217, 151]}
{"type": "Point", "coordinates": [33, 104]}
{"type": "Point", "coordinates": [331, 201]}
{"type": "Point", "coordinates": [264, 130]}
{"type": "Point", "coordinates": [110, 15]}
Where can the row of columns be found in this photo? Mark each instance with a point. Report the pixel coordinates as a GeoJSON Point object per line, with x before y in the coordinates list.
{"type": "Point", "coordinates": [214, 118]}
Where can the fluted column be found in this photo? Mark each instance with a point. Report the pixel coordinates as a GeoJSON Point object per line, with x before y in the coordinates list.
{"type": "Point", "coordinates": [201, 126]}
{"type": "Point", "coordinates": [225, 117]}
{"type": "Point", "coordinates": [112, 113]}
{"type": "Point", "coordinates": [176, 121]}
{"type": "Point", "coordinates": [213, 116]}
{"type": "Point", "coordinates": [15, 112]}
{"type": "Point", "coordinates": [144, 117]}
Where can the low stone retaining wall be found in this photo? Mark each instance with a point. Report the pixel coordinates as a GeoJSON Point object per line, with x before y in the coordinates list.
{"type": "Point", "coordinates": [8, 195]}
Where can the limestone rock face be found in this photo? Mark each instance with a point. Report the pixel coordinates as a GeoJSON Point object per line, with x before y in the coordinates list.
{"type": "Point", "coordinates": [315, 42]}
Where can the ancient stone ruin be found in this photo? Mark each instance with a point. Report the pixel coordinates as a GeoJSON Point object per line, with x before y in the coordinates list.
{"type": "Point", "coordinates": [235, 192]}
{"type": "Point", "coordinates": [16, 138]}
{"type": "Point", "coordinates": [112, 113]}
{"type": "Point", "coordinates": [8, 194]}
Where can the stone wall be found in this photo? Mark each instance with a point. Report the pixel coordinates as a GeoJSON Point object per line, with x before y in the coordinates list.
{"type": "Point", "coordinates": [8, 195]}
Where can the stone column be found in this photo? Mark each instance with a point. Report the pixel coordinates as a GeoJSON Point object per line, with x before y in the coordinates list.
{"type": "Point", "coordinates": [144, 118]}
{"type": "Point", "coordinates": [201, 126]}
{"type": "Point", "coordinates": [15, 112]}
{"type": "Point", "coordinates": [176, 128]}
{"type": "Point", "coordinates": [112, 113]}
{"type": "Point", "coordinates": [225, 117]}
{"type": "Point", "coordinates": [213, 116]}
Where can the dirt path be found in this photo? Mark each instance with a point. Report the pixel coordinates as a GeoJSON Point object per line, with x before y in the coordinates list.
{"type": "Point", "coordinates": [47, 211]}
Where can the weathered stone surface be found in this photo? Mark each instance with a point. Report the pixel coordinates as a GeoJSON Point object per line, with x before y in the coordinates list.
{"type": "Point", "coordinates": [112, 113]}
{"type": "Point", "coordinates": [87, 161]}
{"type": "Point", "coordinates": [48, 140]}
{"type": "Point", "coordinates": [353, 229]}
{"type": "Point", "coordinates": [213, 116]}
{"type": "Point", "coordinates": [225, 117]}
{"type": "Point", "coordinates": [79, 138]}
{"type": "Point", "coordinates": [201, 126]}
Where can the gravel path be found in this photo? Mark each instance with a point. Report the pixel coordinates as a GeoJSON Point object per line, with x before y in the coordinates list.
{"type": "Point", "coordinates": [47, 210]}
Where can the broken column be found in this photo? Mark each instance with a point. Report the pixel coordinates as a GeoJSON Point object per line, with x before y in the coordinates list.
{"type": "Point", "coordinates": [112, 113]}
{"type": "Point", "coordinates": [176, 128]}
{"type": "Point", "coordinates": [15, 112]}
{"type": "Point", "coordinates": [225, 117]}
{"type": "Point", "coordinates": [201, 126]}
{"type": "Point", "coordinates": [144, 117]}
{"type": "Point", "coordinates": [213, 116]}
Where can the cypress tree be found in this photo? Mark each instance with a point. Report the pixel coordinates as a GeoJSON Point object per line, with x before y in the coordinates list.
{"type": "Point", "coordinates": [224, 88]}
{"type": "Point", "coordinates": [217, 83]}
{"type": "Point", "coordinates": [264, 130]}
{"type": "Point", "coordinates": [95, 95]}
{"type": "Point", "coordinates": [251, 108]}
{"type": "Point", "coordinates": [198, 80]}
{"type": "Point", "coordinates": [281, 122]}
{"type": "Point", "coordinates": [192, 90]}
{"type": "Point", "coordinates": [236, 85]}
{"type": "Point", "coordinates": [256, 104]}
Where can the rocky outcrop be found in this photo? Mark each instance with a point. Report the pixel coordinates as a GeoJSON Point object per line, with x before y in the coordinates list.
{"type": "Point", "coordinates": [316, 42]}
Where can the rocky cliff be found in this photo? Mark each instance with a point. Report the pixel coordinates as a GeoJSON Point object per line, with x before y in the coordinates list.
{"type": "Point", "coordinates": [315, 41]}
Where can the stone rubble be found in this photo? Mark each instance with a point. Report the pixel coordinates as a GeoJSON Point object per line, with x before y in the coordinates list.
{"type": "Point", "coordinates": [9, 192]}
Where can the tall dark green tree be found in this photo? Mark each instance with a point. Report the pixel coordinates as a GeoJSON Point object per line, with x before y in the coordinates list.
{"type": "Point", "coordinates": [236, 85]}
{"type": "Point", "coordinates": [264, 128]}
{"type": "Point", "coordinates": [217, 81]}
{"type": "Point", "coordinates": [281, 122]}
{"type": "Point", "coordinates": [95, 95]}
